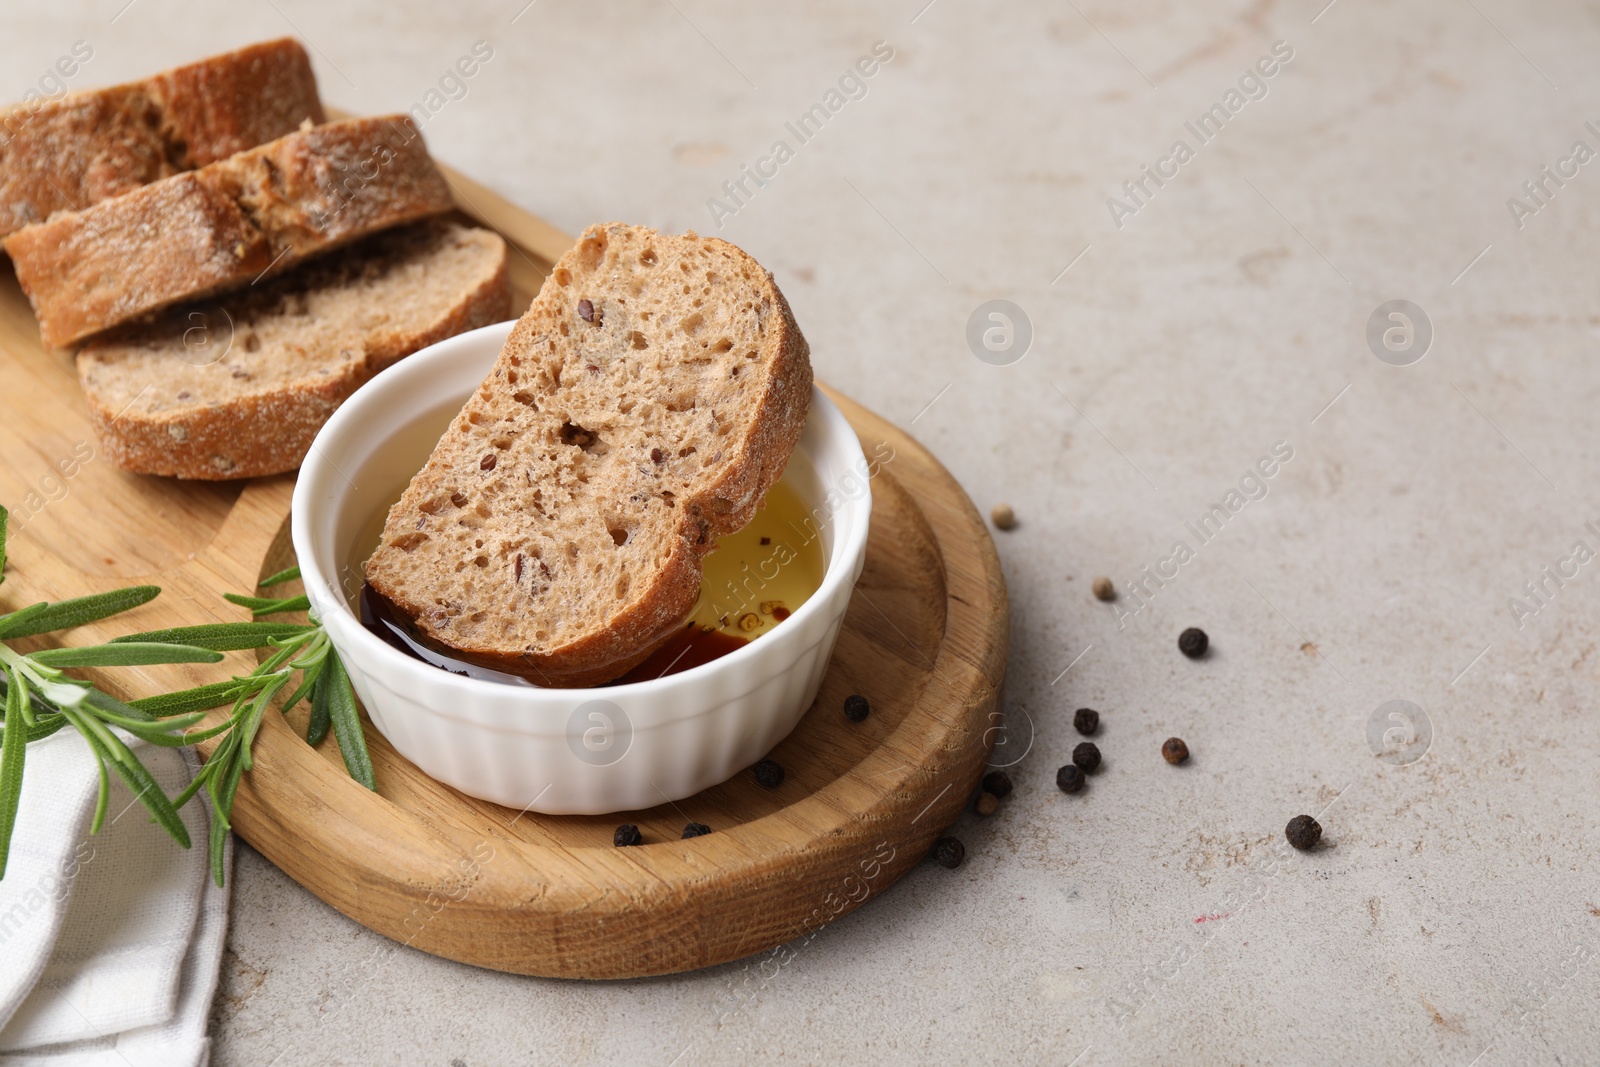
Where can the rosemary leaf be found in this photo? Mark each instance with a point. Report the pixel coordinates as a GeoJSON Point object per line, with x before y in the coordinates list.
{"type": "Point", "coordinates": [192, 787]}
{"type": "Point", "coordinates": [124, 654]}
{"type": "Point", "coordinates": [160, 740]}
{"type": "Point", "coordinates": [308, 680]}
{"type": "Point", "coordinates": [285, 607]}
{"type": "Point", "coordinates": [13, 753]}
{"type": "Point", "coordinates": [195, 784]}
{"type": "Point", "coordinates": [221, 636]}
{"type": "Point", "coordinates": [260, 606]}
{"type": "Point", "coordinates": [66, 614]}
{"type": "Point", "coordinates": [98, 735]}
{"type": "Point", "coordinates": [22, 615]}
{"type": "Point", "coordinates": [186, 700]}
{"type": "Point", "coordinates": [226, 784]}
{"type": "Point", "coordinates": [107, 703]}
{"type": "Point", "coordinates": [102, 799]}
{"type": "Point", "coordinates": [254, 603]}
{"type": "Point", "coordinates": [251, 602]}
{"type": "Point", "coordinates": [167, 732]}
{"type": "Point", "coordinates": [347, 724]}
{"type": "Point", "coordinates": [224, 757]}
{"type": "Point", "coordinates": [194, 737]}
{"type": "Point", "coordinates": [218, 841]}
{"type": "Point", "coordinates": [133, 774]}
{"type": "Point", "coordinates": [286, 575]}
{"type": "Point", "coordinates": [321, 711]}
{"type": "Point", "coordinates": [252, 722]}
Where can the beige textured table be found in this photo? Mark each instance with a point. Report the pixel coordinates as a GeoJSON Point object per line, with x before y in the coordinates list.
{"type": "Point", "coordinates": [1453, 910]}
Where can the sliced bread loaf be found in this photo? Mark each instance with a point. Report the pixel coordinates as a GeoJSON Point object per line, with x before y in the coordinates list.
{"type": "Point", "coordinates": [238, 387]}
{"type": "Point", "coordinates": [225, 225]}
{"type": "Point", "coordinates": [640, 410]}
{"type": "Point", "coordinates": [70, 153]}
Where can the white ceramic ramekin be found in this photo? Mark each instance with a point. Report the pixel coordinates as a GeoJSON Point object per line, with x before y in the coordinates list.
{"type": "Point", "coordinates": [563, 751]}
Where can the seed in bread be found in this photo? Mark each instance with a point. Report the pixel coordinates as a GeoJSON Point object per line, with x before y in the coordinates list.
{"type": "Point", "coordinates": [70, 153]}
{"type": "Point", "coordinates": [224, 226]}
{"type": "Point", "coordinates": [640, 410]}
{"type": "Point", "coordinates": [238, 387]}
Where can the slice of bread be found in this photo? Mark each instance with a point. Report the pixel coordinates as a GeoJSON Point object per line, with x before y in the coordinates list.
{"type": "Point", "coordinates": [640, 410]}
{"type": "Point", "coordinates": [238, 387]}
{"type": "Point", "coordinates": [254, 214]}
{"type": "Point", "coordinates": [71, 153]}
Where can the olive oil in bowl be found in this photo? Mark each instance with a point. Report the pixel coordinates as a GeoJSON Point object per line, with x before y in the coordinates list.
{"type": "Point", "coordinates": [752, 582]}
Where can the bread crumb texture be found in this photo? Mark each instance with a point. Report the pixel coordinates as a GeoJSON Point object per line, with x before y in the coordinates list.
{"type": "Point", "coordinates": [641, 409]}
{"type": "Point", "coordinates": [238, 387]}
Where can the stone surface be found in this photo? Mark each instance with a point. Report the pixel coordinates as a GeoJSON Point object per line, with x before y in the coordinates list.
{"type": "Point", "coordinates": [1452, 910]}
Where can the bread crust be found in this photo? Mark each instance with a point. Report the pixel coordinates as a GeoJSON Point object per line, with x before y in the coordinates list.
{"type": "Point", "coordinates": [721, 507]}
{"type": "Point", "coordinates": [224, 226]}
{"type": "Point", "coordinates": [71, 153]}
{"type": "Point", "coordinates": [268, 431]}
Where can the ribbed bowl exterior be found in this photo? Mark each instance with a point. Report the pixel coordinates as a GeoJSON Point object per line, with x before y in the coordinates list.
{"type": "Point", "coordinates": [570, 751]}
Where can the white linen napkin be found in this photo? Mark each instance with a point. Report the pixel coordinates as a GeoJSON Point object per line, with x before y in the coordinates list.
{"type": "Point", "coordinates": [110, 946]}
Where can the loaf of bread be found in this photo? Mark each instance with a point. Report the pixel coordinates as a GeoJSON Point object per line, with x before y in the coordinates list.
{"type": "Point", "coordinates": [71, 153]}
{"type": "Point", "coordinates": [224, 226]}
{"type": "Point", "coordinates": [238, 387]}
{"type": "Point", "coordinates": [641, 409]}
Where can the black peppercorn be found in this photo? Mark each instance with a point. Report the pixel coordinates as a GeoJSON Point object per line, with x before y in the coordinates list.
{"type": "Point", "coordinates": [1193, 642]}
{"type": "Point", "coordinates": [998, 783]}
{"type": "Point", "coordinates": [769, 774]}
{"type": "Point", "coordinates": [1087, 757]}
{"type": "Point", "coordinates": [696, 829]}
{"type": "Point", "coordinates": [1303, 832]}
{"type": "Point", "coordinates": [1069, 779]}
{"type": "Point", "coordinates": [1086, 721]}
{"type": "Point", "coordinates": [856, 707]}
{"type": "Point", "coordinates": [627, 834]}
{"type": "Point", "coordinates": [948, 852]}
{"type": "Point", "coordinates": [1173, 750]}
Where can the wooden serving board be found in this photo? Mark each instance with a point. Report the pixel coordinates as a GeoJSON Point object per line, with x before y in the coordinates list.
{"type": "Point", "coordinates": [924, 639]}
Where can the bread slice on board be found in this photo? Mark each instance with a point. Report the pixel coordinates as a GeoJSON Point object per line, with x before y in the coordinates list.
{"type": "Point", "coordinates": [238, 387]}
{"type": "Point", "coordinates": [70, 153]}
{"type": "Point", "coordinates": [224, 226]}
{"type": "Point", "coordinates": [640, 410]}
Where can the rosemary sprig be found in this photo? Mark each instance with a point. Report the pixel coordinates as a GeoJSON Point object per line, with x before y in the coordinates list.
{"type": "Point", "coordinates": [297, 648]}
{"type": "Point", "coordinates": [309, 653]}
{"type": "Point", "coordinates": [39, 699]}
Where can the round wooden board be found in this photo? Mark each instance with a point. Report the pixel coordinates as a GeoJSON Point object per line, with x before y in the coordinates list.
{"type": "Point", "coordinates": [924, 639]}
